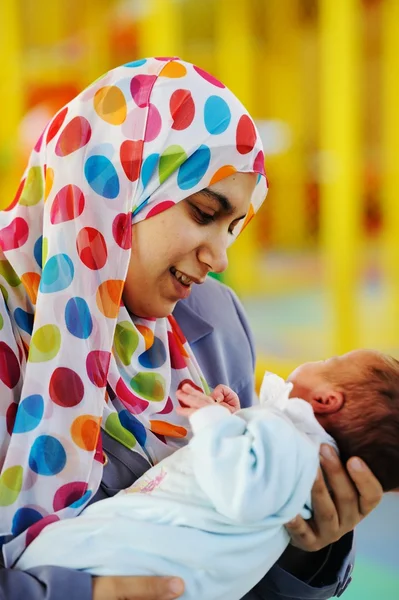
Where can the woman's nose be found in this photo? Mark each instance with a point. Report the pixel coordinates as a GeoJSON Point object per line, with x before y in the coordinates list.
{"type": "Point", "coordinates": [214, 254]}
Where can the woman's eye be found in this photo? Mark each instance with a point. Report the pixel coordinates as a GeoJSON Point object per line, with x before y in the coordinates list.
{"type": "Point", "coordinates": [202, 217]}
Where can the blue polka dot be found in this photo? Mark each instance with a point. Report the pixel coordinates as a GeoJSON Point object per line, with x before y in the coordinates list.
{"type": "Point", "coordinates": [133, 425]}
{"type": "Point", "coordinates": [29, 414]}
{"type": "Point", "coordinates": [140, 207]}
{"type": "Point", "coordinates": [81, 501]}
{"type": "Point", "coordinates": [136, 63]}
{"type": "Point", "coordinates": [47, 456]}
{"type": "Point", "coordinates": [37, 251]}
{"type": "Point", "coordinates": [155, 356]}
{"type": "Point", "coordinates": [24, 518]}
{"type": "Point", "coordinates": [24, 320]}
{"type": "Point", "coordinates": [102, 176]}
{"type": "Point", "coordinates": [194, 168]}
{"type": "Point", "coordinates": [78, 318]}
{"type": "Point", "coordinates": [148, 168]}
{"type": "Point", "coordinates": [57, 274]}
{"type": "Point", "coordinates": [217, 115]}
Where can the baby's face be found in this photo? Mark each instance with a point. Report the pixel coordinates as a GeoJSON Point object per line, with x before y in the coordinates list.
{"type": "Point", "coordinates": [314, 377]}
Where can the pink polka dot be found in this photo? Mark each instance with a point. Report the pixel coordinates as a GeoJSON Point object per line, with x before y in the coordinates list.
{"type": "Point", "coordinates": [38, 144]}
{"type": "Point", "coordinates": [35, 529]}
{"type": "Point", "coordinates": [141, 87]}
{"type": "Point", "coordinates": [14, 235]}
{"type": "Point", "coordinates": [160, 208]}
{"type": "Point", "coordinates": [154, 124]}
{"type": "Point", "coordinates": [9, 366]}
{"type": "Point", "coordinates": [122, 230]}
{"type": "Point", "coordinates": [209, 78]}
{"type": "Point", "coordinates": [245, 135]}
{"type": "Point", "coordinates": [131, 158]}
{"type": "Point", "coordinates": [167, 408]}
{"type": "Point", "coordinates": [74, 136]}
{"type": "Point", "coordinates": [68, 204]}
{"type": "Point", "coordinates": [259, 163]}
{"type": "Point", "coordinates": [177, 361]}
{"type": "Point", "coordinates": [68, 494]}
{"type": "Point", "coordinates": [97, 365]}
{"type": "Point", "coordinates": [66, 387]}
{"type": "Point", "coordinates": [135, 404]}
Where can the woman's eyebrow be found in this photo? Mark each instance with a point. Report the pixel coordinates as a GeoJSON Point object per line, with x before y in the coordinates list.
{"type": "Point", "coordinates": [221, 199]}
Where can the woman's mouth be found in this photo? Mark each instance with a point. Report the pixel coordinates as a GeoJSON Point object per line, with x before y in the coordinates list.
{"type": "Point", "coordinates": [181, 277]}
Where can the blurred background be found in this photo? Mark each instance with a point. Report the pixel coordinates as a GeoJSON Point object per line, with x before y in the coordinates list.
{"type": "Point", "coordinates": [318, 269]}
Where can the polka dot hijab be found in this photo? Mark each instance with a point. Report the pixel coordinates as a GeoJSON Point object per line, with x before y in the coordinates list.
{"type": "Point", "coordinates": [72, 359]}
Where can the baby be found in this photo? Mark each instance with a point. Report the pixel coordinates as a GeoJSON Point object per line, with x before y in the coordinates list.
{"type": "Point", "coordinates": [213, 513]}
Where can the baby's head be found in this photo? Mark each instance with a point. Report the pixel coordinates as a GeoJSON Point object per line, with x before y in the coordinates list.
{"type": "Point", "coordinates": [355, 397]}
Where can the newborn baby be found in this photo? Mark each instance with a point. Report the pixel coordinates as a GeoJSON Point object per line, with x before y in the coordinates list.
{"type": "Point", "coordinates": [213, 513]}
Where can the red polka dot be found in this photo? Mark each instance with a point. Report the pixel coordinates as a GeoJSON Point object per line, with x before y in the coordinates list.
{"type": "Point", "coordinates": [17, 196]}
{"type": "Point", "coordinates": [67, 205]}
{"type": "Point", "coordinates": [97, 365]}
{"type": "Point", "coordinates": [245, 135]}
{"type": "Point", "coordinates": [209, 78]}
{"type": "Point", "coordinates": [10, 416]}
{"type": "Point", "coordinates": [135, 404]}
{"type": "Point", "coordinates": [131, 154]}
{"type": "Point", "coordinates": [177, 361]}
{"type": "Point", "coordinates": [14, 235]}
{"type": "Point", "coordinates": [154, 124]}
{"type": "Point", "coordinates": [92, 248]}
{"type": "Point", "coordinates": [56, 124]}
{"type": "Point", "coordinates": [160, 208]}
{"type": "Point", "coordinates": [35, 529]}
{"type": "Point", "coordinates": [259, 163]}
{"type": "Point", "coordinates": [182, 109]}
{"type": "Point", "coordinates": [68, 494]}
{"type": "Point", "coordinates": [9, 366]}
{"type": "Point", "coordinates": [167, 408]}
{"type": "Point", "coordinates": [98, 455]}
{"type": "Point", "coordinates": [141, 87]}
{"type": "Point", "coordinates": [38, 144]}
{"type": "Point", "coordinates": [122, 230]}
{"type": "Point", "coordinates": [66, 387]}
{"type": "Point", "coordinates": [74, 136]}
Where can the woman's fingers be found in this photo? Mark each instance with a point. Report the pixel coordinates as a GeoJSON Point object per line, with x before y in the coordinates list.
{"type": "Point", "coordinates": [368, 486]}
{"type": "Point", "coordinates": [302, 534]}
{"type": "Point", "coordinates": [137, 588]}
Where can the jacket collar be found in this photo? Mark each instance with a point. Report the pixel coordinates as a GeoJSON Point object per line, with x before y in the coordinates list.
{"type": "Point", "coordinates": [192, 325]}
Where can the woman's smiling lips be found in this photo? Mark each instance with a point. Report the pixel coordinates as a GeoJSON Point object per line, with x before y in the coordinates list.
{"type": "Point", "coordinates": [182, 282]}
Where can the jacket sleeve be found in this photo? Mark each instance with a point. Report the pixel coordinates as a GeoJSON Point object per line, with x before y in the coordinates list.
{"type": "Point", "coordinates": [45, 583]}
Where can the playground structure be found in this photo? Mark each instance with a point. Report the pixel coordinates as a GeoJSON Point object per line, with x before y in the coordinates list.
{"type": "Point", "coordinates": [318, 76]}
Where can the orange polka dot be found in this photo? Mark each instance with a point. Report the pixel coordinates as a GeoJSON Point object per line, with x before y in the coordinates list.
{"type": "Point", "coordinates": [249, 216]}
{"type": "Point", "coordinates": [48, 182]}
{"type": "Point", "coordinates": [222, 173]}
{"type": "Point", "coordinates": [31, 282]}
{"type": "Point", "coordinates": [173, 69]}
{"type": "Point", "coordinates": [147, 334]}
{"type": "Point", "coordinates": [168, 429]}
{"type": "Point", "coordinates": [85, 430]}
{"type": "Point", "coordinates": [109, 296]}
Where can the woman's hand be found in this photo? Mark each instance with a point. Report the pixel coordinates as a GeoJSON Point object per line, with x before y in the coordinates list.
{"type": "Point", "coordinates": [354, 494]}
{"type": "Point", "coordinates": [137, 588]}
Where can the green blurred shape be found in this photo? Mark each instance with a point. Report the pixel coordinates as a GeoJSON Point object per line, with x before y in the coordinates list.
{"type": "Point", "coordinates": [371, 582]}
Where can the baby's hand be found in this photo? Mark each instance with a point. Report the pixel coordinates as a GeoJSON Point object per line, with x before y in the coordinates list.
{"type": "Point", "coordinates": [193, 399]}
{"type": "Point", "coordinates": [226, 397]}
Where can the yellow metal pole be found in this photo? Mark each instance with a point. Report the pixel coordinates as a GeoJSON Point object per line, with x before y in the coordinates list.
{"type": "Point", "coordinates": [340, 148]}
{"type": "Point", "coordinates": [11, 93]}
{"type": "Point", "coordinates": [390, 116]}
{"type": "Point", "coordinates": [235, 58]}
{"type": "Point", "coordinates": [161, 29]}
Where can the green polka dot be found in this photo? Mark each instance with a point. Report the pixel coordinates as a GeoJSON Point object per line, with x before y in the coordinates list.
{"type": "Point", "coordinates": [116, 430]}
{"type": "Point", "coordinates": [9, 274]}
{"type": "Point", "coordinates": [170, 160]}
{"type": "Point", "coordinates": [1, 321]}
{"type": "Point", "coordinates": [33, 188]}
{"type": "Point", "coordinates": [126, 340]}
{"type": "Point", "coordinates": [10, 485]}
{"type": "Point", "coordinates": [45, 343]}
{"type": "Point", "coordinates": [206, 387]}
{"type": "Point", "coordinates": [4, 292]}
{"type": "Point", "coordinates": [44, 251]}
{"type": "Point", "coordinates": [150, 386]}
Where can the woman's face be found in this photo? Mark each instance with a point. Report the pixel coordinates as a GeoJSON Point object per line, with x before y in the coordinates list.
{"type": "Point", "coordinates": [178, 247]}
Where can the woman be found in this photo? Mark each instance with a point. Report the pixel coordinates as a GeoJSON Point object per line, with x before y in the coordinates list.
{"type": "Point", "coordinates": [164, 146]}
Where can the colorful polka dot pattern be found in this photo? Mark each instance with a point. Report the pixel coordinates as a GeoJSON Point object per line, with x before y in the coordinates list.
{"type": "Point", "coordinates": [72, 359]}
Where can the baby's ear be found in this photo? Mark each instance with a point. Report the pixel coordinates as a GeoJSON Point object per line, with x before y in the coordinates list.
{"type": "Point", "coordinates": [326, 401]}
